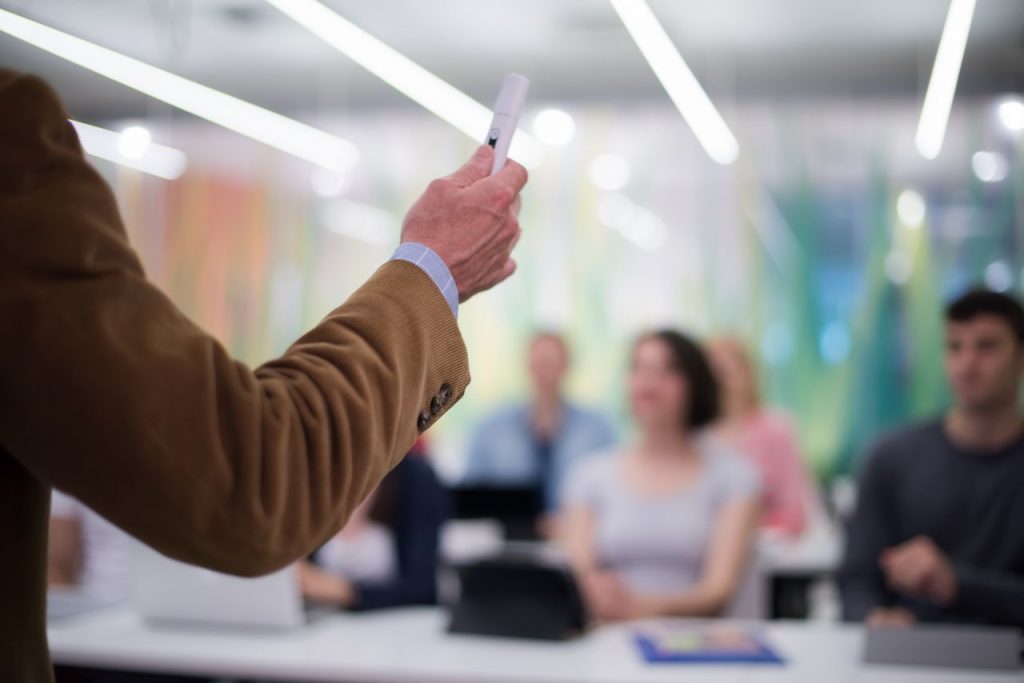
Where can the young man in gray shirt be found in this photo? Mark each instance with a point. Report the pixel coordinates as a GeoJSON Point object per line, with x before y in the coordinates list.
{"type": "Point", "coordinates": [938, 534]}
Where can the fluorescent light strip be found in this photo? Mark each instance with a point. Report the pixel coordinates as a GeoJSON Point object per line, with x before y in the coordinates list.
{"type": "Point", "coordinates": [404, 75]}
{"type": "Point", "coordinates": [938, 100]}
{"type": "Point", "coordinates": [158, 160]}
{"type": "Point", "coordinates": [680, 83]}
{"type": "Point", "coordinates": [238, 115]}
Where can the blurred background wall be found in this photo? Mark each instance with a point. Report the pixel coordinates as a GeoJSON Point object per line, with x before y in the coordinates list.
{"type": "Point", "coordinates": [829, 245]}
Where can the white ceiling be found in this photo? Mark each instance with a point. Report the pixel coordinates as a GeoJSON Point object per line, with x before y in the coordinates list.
{"type": "Point", "coordinates": [572, 50]}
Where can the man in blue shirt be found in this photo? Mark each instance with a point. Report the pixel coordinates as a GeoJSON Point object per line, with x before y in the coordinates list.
{"type": "Point", "coordinates": [535, 443]}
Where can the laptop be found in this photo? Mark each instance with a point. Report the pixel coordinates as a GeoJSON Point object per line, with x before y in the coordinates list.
{"type": "Point", "coordinates": [63, 603]}
{"type": "Point", "coordinates": [945, 645]}
{"type": "Point", "coordinates": [168, 592]}
{"type": "Point", "coordinates": [515, 507]}
{"type": "Point", "coordinates": [525, 591]}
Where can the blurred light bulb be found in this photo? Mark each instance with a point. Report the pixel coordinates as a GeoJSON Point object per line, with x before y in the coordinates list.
{"type": "Point", "coordinates": [990, 167]}
{"type": "Point", "coordinates": [554, 127]}
{"type": "Point", "coordinates": [999, 276]}
{"type": "Point", "coordinates": [133, 142]}
{"type": "Point", "coordinates": [1011, 113]}
{"type": "Point", "coordinates": [910, 208]}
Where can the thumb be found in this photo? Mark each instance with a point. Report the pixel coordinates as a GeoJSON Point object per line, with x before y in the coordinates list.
{"type": "Point", "coordinates": [477, 168]}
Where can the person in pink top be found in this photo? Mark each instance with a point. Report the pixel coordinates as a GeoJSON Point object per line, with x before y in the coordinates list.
{"type": "Point", "coordinates": [766, 437]}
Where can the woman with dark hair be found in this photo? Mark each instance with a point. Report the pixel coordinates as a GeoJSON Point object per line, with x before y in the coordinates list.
{"type": "Point", "coordinates": [387, 554]}
{"type": "Point", "coordinates": [663, 526]}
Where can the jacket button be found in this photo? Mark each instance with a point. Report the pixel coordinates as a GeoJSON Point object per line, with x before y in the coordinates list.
{"type": "Point", "coordinates": [435, 405]}
{"type": "Point", "coordinates": [446, 393]}
{"type": "Point", "coordinates": [423, 422]}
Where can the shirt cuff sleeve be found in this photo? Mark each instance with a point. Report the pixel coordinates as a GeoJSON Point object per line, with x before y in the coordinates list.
{"type": "Point", "coordinates": [434, 266]}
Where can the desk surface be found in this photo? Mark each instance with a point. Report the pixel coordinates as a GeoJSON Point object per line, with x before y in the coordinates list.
{"type": "Point", "coordinates": [405, 646]}
{"type": "Point", "coordinates": [817, 552]}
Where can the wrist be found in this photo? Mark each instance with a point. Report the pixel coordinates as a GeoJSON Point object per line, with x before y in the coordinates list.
{"type": "Point", "coordinates": [425, 257]}
{"type": "Point", "coordinates": [344, 593]}
{"type": "Point", "coordinates": [950, 587]}
{"type": "Point", "coordinates": [436, 247]}
{"type": "Point", "coordinates": [641, 607]}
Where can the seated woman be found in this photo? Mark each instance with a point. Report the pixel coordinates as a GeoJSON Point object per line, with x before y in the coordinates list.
{"type": "Point", "coordinates": [766, 437]}
{"type": "Point", "coordinates": [387, 554]}
{"type": "Point", "coordinates": [663, 526]}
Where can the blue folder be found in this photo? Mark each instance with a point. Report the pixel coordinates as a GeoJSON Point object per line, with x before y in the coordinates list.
{"type": "Point", "coordinates": [705, 646]}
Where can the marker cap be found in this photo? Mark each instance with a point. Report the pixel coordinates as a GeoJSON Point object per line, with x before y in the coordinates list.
{"type": "Point", "coordinates": [512, 94]}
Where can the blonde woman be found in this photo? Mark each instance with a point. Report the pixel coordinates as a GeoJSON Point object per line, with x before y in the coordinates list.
{"type": "Point", "coordinates": [766, 437]}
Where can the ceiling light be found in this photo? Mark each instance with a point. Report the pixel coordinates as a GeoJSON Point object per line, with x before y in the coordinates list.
{"type": "Point", "coordinates": [990, 167]}
{"type": "Point", "coordinates": [1011, 113]}
{"type": "Point", "coordinates": [554, 127]}
{"type": "Point", "coordinates": [680, 83]}
{"type": "Point", "coordinates": [272, 129]}
{"type": "Point", "coordinates": [164, 162]}
{"type": "Point", "coordinates": [938, 100]}
{"type": "Point", "coordinates": [133, 142]}
{"type": "Point", "coordinates": [404, 75]}
{"type": "Point", "coordinates": [910, 208]}
{"type": "Point", "coordinates": [999, 276]}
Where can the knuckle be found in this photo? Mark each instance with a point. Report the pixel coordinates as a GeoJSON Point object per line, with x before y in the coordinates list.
{"type": "Point", "coordinates": [503, 196]}
{"type": "Point", "coordinates": [522, 172]}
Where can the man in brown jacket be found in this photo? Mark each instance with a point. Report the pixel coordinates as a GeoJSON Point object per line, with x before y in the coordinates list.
{"type": "Point", "coordinates": [109, 393]}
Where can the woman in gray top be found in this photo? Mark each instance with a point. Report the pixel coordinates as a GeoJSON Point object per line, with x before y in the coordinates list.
{"type": "Point", "coordinates": [663, 526]}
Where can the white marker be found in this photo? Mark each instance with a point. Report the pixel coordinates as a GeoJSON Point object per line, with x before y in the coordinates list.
{"type": "Point", "coordinates": [506, 115]}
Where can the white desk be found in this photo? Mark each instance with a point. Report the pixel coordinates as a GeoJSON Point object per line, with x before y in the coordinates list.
{"type": "Point", "coordinates": [817, 552]}
{"type": "Point", "coordinates": [409, 646]}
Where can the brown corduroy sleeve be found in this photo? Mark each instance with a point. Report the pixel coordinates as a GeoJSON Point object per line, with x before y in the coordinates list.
{"type": "Point", "coordinates": [109, 393]}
